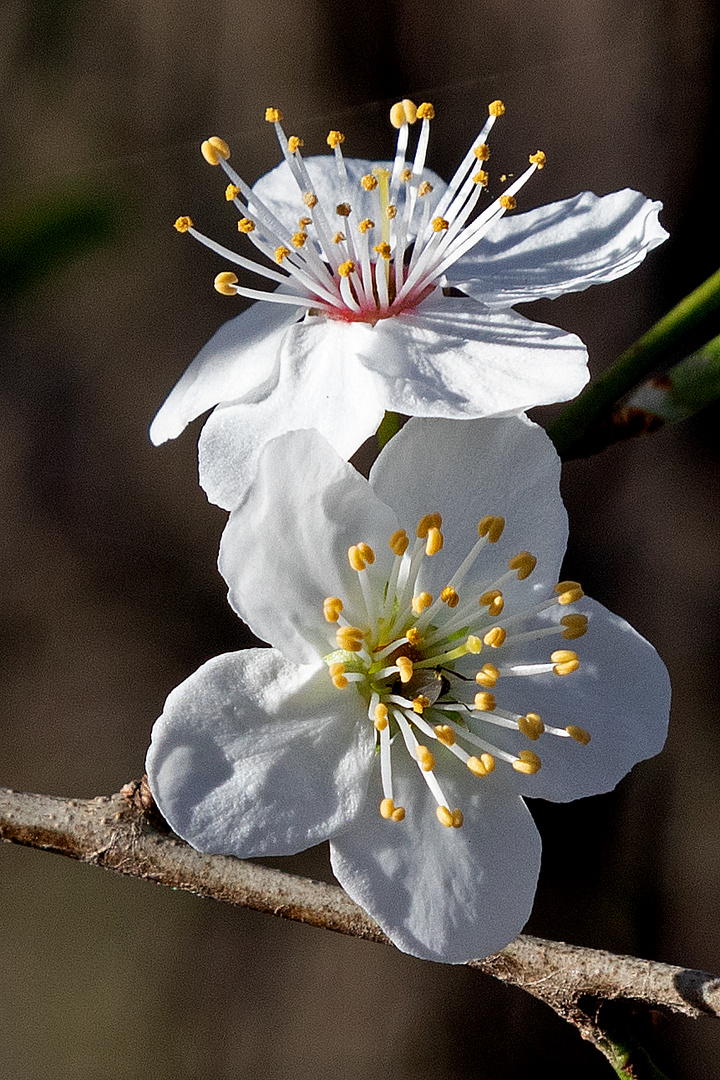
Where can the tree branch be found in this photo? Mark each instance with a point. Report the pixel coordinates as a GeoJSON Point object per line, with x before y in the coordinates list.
{"type": "Point", "coordinates": [599, 992]}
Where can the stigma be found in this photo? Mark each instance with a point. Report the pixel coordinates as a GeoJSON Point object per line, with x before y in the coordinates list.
{"type": "Point", "coordinates": [415, 660]}
{"type": "Point", "coordinates": [349, 267]}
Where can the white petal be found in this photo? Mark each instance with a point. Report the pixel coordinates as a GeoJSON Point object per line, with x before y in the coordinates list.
{"type": "Point", "coordinates": [468, 468]}
{"type": "Point", "coordinates": [242, 357]}
{"type": "Point", "coordinates": [562, 247]}
{"type": "Point", "coordinates": [284, 550]}
{"type": "Point", "coordinates": [280, 193]}
{"type": "Point", "coordinates": [456, 359]}
{"type": "Point", "coordinates": [620, 694]}
{"type": "Point", "coordinates": [442, 894]}
{"type": "Point", "coordinates": [321, 385]}
{"type": "Point", "coordinates": [257, 756]}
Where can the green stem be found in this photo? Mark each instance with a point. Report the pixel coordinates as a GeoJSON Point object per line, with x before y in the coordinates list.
{"type": "Point", "coordinates": [630, 1061]}
{"type": "Point", "coordinates": [634, 365]}
{"type": "Point", "coordinates": [390, 426]}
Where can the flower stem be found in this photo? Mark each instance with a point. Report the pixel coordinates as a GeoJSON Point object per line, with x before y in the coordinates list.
{"type": "Point", "coordinates": [576, 421]}
{"type": "Point", "coordinates": [390, 426]}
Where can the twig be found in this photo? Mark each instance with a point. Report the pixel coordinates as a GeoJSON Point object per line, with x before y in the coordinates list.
{"type": "Point", "coordinates": [123, 832]}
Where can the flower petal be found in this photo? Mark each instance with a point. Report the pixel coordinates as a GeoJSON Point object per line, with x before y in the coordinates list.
{"type": "Point", "coordinates": [442, 894]}
{"type": "Point", "coordinates": [620, 694]}
{"type": "Point", "coordinates": [562, 247]}
{"type": "Point", "coordinates": [257, 756]}
{"type": "Point", "coordinates": [505, 466]}
{"type": "Point", "coordinates": [320, 385]}
{"type": "Point", "coordinates": [284, 550]}
{"type": "Point", "coordinates": [240, 358]}
{"type": "Point", "coordinates": [454, 358]}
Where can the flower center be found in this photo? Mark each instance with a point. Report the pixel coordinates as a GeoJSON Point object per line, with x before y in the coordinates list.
{"type": "Point", "coordinates": [411, 656]}
{"type": "Point", "coordinates": [356, 267]}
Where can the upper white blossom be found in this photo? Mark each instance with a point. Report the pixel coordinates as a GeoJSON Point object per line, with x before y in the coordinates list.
{"type": "Point", "coordinates": [368, 263]}
{"type": "Point", "coordinates": [429, 669]}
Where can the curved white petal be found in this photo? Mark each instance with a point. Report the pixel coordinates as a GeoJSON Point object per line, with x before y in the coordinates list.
{"type": "Point", "coordinates": [257, 756]}
{"type": "Point", "coordinates": [562, 247]}
{"type": "Point", "coordinates": [469, 468]}
{"type": "Point", "coordinates": [320, 385]}
{"type": "Point", "coordinates": [280, 192]}
{"type": "Point", "coordinates": [284, 550]}
{"type": "Point", "coordinates": [442, 894]}
{"type": "Point", "coordinates": [620, 695]}
{"type": "Point", "coordinates": [241, 358]}
{"type": "Point", "coordinates": [453, 358]}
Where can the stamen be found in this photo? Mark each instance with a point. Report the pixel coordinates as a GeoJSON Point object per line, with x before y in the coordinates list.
{"type": "Point", "coordinates": [494, 602]}
{"type": "Point", "coordinates": [538, 159]}
{"type": "Point", "coordinates": [246, 225]}
{"type": "Point", "coordinates": [421, 601]}
{"type": "Point", "coordinates": [213, 149]}
{"type": "Point", "coordinates": [360, 556]}
{"type": "Point", "coordinates": [580, 735]}
{"type": "Point", "coordinates": [531, 726]}
{"type": "Point", "coordinates": [485, 702]}
{"type": "Point", "coordinates": [427, 522]}
{"type": "Point", "coordinates": [273, 116]}
{"type": "Point", "coordinates": [508, 202]}
{"type": "Point", "coordinates": [569, 592]}
{"type": "Point", "coordinates": [405, 667]}
{"type": "Point", "coordinates": [332, 606]}
{"type": "Point", "coordinates": [449, 596]}
{"type": "Point", "coordinates": [527, 762]}
{"type": "Point", "coordinates": [445, 734]}
{"type": "Point", "coordinates": [496, 108]}
{"type": "Point", "coordinates": [565, 661]}
{"type": "Point", "coordinates": [524, 563]}
{"type": "Point", "coordinates": [425, 759]}
{"type": "Point", "coordinates": [434, 541]}
{"type": "Point", "coordinates": [350, 638]}
{"type": "Point", "coordinates": [495, 638]}
{"type": "Point", "coordinates": [481, 766]}
{"type": "Point", "coordinates": [381, 717]}
{"type": "Point", "coordinates": [225, 282]}
{"type": "Point", "coordinates": [399, 542]}
{"type": "Point", "coordinates": [183, 224]}
{"type": "Point", "coordinates": [335, 138]}
{"type": "Point", "coordinates": [576, 626]}
{"type": "Point", "coordinates": [488, 675]}
{"type": "Point", "coordinates": [491, 526]}
{"type": "Point", "coordinates": [231, 192]}
{"type": "Point", "coordinates": [294, 143]}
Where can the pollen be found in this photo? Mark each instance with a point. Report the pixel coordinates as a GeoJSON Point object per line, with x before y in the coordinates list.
{"type": "Point", "coordinates": [450, 597]}
{"type": "Point", "coordinates": [425, 188]}
{"type": "Point", "coordinates": [390, 811]}
{"type": "Point", "coordinates": [477, 766]}
{"type": "Point", "coordinates": [445, 735]}
{"type": "Point", "coordinates": [426, 111]}
{"type": "Point", "coordinates": [224, 283]}
{"type": "Point", "coordinates": [338, 237]}
{"type": "Point", "coordinates": [485, 702]}
{"type": "Point", "coordinates": [310, 199]}
{"type": "Point", "coordinates": [413, 635]}
{"type": "Point", "coordinates": [487, 676]}
{"type": "Point", "coordinates": [482, 152]}
{"type": "Point", "coordinates": [298, 239]}
{"type": "Point", "coordinates": [381, 717]}
{"type": "Point", "coordinates": [568, 592]}
{"type": "Point", "coordinates": [405, 667]}
{"type": "Point", "coordinates": [231, 192]}
{"type": "Point", "coordinates": [366, 224]}
{"type": "Point", "coordinates": [337, 675]}
{"type": "Point", "coordinates": [524, 563]}
{"type": "Point", "coordinates": [343, 209]}
{"type": "Point", "coordinates": [508, 202]}
{"type": "Point", "coordinates": [335, 138]}
{"type": "Point", "coordinates": [384, 250]}
{"type": "Point", "coordinates": [294, 143]}
{"type": "Point", "coordinates": [496, 108]}
{"type": "Point", "coordinates": [399, 542]}
{"type": "Point", "coordinates": [349, 638]}
{"type": "Point", "coordinates": [531, 726]}
{"type": "Point", "coordinates": [347, 268]}
{"type": "Point", "coordinates": [427, 522]}
{"type": "Point", "coordinates": [403, 112]}
{"type": "Point", "coordinates": [281, 253]}
{"type": "Point", "coordinates": [303, 222]}
{"type": "Point", "coordinates": [245, 225]}
{"type": "Point", "coordinates": [580, 735]}
{"type": "Point", "coordinates": [481, 177]}
{"type": "Point", "coordinates": [391, 211]}
{"type": "Point", "coordinates": [495, 637]}
{"type": "Point", "coordinates": [527, 763]}
{"type": "Point", "coordinates": [444, 816]}
{"type": "Point", "coordinates": [439, 224]}
{"type": "Point", "coordinates": [576, 626]}
{"type": "Point", "coordinates": [491, 526]}
{"type": "Point", "coordinates": [273, 116]}
{"type": "Point", "coordinates": [332, 606]}
{"type": "Point", "coordinates": [420, 703]}
{"type": "Point", "coordinates": [405, 175]}
{"type": "Point", "coordinates": [183, 224]}
{"type": "Point", "coordinates": [369, 182]}
{"type": "Point", "coordinates": [421, 601]}
{"type": "Point", "coordinates": [434, 541]}
{"type": "Point", "coordinates": [565, 661]}
{"type": "Point", "coordinates": [538, 159]}
{"type": "Point", "coordinates": [213, 149]}
{"type": "Point", "coordinates": [360, 556]}
{"type": "Point", "coordinates": [426, 760]}
{"type": "Point", "coordinates": [494, 602]}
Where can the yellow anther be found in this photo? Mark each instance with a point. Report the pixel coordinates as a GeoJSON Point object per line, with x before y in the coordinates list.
{"type": "Point", "coordinates": [387, 809]}
{"type": "Point", "coordinates": [298, 239]}
{"type": "Point", "coordinates": [473, 644]}
{"type": "Point", "coordinates": [476, 766]}
{"type": "Point", "coordinates": [485, 702]}
{"type": "Point", "coordinates": [365, 225]}
{"type": "Point", "coordinates": [508, 202]}
{"type": "Point", "coordinates": [457, 819]}
{"type": "Point", "coordinates": [399, 542]}
{"type": "Point", "coordinates": [538, 159]}
{"type": "Point", "coordinates": [481, 177]}
{"type": "Point", "coordinates": [384, 250]}
{"type": "Point", "coordinates": [273, 116]}
{"type": "Point", "coordinates": [493, 601]}
{"type": "Point", "coordinates": [245, 225]}
{"type": "Point", "coordinates": [369, 182]}
{"type": "Point", "coordinates": [413, 635]}
{"type": "Point", "coordinates": [488, 675]}
{"type": "Point", "coordinates": [403, 112]}
{"type": "Point", "coordinates": [303, 222]}
{"type": "Point", "coordinates": [576, 626]}
{"type": "Point", "coordinates": [338, 238]}
{"type": "Point", "coordinates": [183, 224]}
{"type": "Point", "coordinates": [482, 152]}
{"type": "Point", "coordinates": [531, 726]}
{"type": "Point", "coordinates": [527, 763]}
{"type": "Point", "coordinates": [367, 553]}
{"type": "Point", "coordinates": [421, 601]}
{"type": "Point", "coordinates": [445, 734]}
{"type": "Point", "coordinates": [294, 143]}
{"type": "Point", "coordinates": [444, 816]}
{"type": "Point", "coordinates": [495, 637]}
{"type": "Point", "coordinates": [231, 192]}
{"type": "Point", "coordinates": [347, 268]}
{"type": "Point", "coordinates": [310, 199]}
{"type": "Point", "coordinates": [579, 734]}
{"type": "Point", "coordinates": [567, 668]}
{"type": "Point", "coordinates": [398, 813]}
{"type": "Point", "coordinates": [405, 667]}
{"type": "Point", "coordinates": [450, 597]}
{"type": "Point", "coordinates": [427, 522]}
{"type": "Point", "coordinates": [381, 716]}
{"type": "Point", "coordinates": [405, 175]}
{"type": "Point", "coordinates": [524, 563]}
{"type": "Point", "coordinates": [337, 669]}
{"type": "Point", "coordinates": [425, 111]}
{"type": "Point", "coordinates": [224, 283]}
{"type": "Point", "coordinates": [335, 138]}
{"type": "Point", "coordinates": [569, 592]}
{"type": "Point", "coordinates": [492, 526]}
{"type": "Point", "coordinates": [332, 606]}
{"type": "Point", "coordinates": [488, 761]}
{"type": "Point", "coordinates": [420, 703]}
{"type": "Point", "coordinates": [281, 253]}
{"type": "Point", "coordinates": [439, 224]}
{"type": "Point", "coordinates": [563, 656]}
{"type": "Point", "coordinates": [339, 681]}
{"type": "Point", "coordinates": [343, 209]}
{"type": "Point", "coordinates": [360, 556]}
{"type": "Point", "coordinates": [425, 188]}
{"type": "Point", "coordinates": [391, 210]}
{"type": "Point", "coordinates": [496, 108]}
{"type": "Point", "coordinates": [434, 541]}
{"type": "Point", "coordinates": [349, 638]}
{"type": "Point", "coordinates": [381, 172]}
{"type": "Point", "coordinates": [213, 149]}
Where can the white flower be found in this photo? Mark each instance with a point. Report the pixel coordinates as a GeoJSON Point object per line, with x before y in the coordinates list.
{"type": "Point", "coordinates": [403, 728]}
{"type": "Point", "coordinates": [367, 315]}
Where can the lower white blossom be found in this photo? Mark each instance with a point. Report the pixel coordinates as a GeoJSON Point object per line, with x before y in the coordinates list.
{"type": "Point", "coordinates": [368, 262]}
{"type": "Point", "coordinates": [429, 668]}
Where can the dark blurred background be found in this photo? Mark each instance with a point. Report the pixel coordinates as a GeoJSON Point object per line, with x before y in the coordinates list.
{"type": "Point", "coordinates": [109, 591]}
